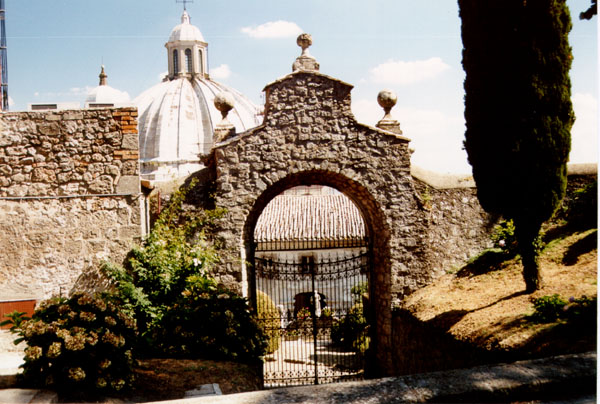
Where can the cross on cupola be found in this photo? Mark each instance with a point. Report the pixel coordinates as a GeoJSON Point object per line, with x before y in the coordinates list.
{"type": "Point", "coordinates": [184, 2]}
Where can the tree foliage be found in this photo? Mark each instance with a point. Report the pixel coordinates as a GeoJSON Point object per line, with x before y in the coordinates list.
{"type": "Point", "coordinates": [590, 12]}
{"type": "Point", "coordinates": [518, 111]}
{"type": "Point", "coordinates": [180, 309]}
{"type": "Point", "coordinates": [156, 273]}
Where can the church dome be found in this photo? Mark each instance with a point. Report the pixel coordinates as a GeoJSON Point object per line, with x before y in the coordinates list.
{"type": "Point", "coordinates": [104, 95]}
{"type": "Point", "coordinates": [185, 31]}
{"type": "Point", "coordinates": [177, 118]}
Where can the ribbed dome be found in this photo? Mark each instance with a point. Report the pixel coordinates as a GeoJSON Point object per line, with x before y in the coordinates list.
{"type": "Point", "coordinates": [177, 117]}
{"type": "Point", "coordinates": [176, 122]}
{"type": "Point", "coordinates": [185, 31]}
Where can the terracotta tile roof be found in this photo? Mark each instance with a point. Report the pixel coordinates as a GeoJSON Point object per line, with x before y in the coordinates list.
{"type": "Point", "coordinates": [309, 218]}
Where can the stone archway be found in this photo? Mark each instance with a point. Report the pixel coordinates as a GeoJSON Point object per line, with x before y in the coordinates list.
{"type": "Point", "coordinates": [310, 136]}
{"type": "Point", "coordinates": [377, 233]}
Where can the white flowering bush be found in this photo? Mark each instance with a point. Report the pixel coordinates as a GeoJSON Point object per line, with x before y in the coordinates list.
{"type": "Point", "coordinates": [80, 346]}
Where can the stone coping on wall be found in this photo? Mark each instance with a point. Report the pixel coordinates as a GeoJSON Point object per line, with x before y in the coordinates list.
{"type": "Point", "coordinates": [449, 181]}
{"type": "Point", "coordinates": [229, 140]}
{"type": "Point", "coordinates": [12, 293]}
{"type": "Point", "coordinates": [304, 72]}
{"type": "Point", "coordinates": [568, 377]}
{"type": "Point", "coordinates": [442, 180]}
{"type": "Point", "coordinates": [582, 169]}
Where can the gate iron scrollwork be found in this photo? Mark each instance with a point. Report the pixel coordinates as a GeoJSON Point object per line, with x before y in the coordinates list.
{"type": "Point", "coordinates": [318, 331]}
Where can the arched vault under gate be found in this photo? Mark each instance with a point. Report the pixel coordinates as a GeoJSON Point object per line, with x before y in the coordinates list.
{"type": "Point", "coordinates": [310, 137]}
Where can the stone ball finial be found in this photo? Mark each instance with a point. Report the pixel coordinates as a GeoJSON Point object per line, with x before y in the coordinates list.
{"type": "Point", "coordinates": [224, 102]}
{"type": "Point", "coordinates": [304, 41]}
{"type": "Point", "coordinates": [305, 61]}
{"type": "Point", "coordinates": [387, 99]}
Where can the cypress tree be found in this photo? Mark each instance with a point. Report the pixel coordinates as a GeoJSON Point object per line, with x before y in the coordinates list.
{"type": "Point", "coordinates": [518, 111]}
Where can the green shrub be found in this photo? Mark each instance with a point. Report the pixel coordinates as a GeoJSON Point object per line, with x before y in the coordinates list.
{"type": "Point", "coordinates": [503, 236]}
{"type": "Point", "coordinates": [578, 312]}
{"type": "Point", "coordinates": [155, 274]}
{"type": "Point", "coordinates": [547, 308]}
{"type": "Point", "coordinates": [350, 332]}
{"type": "Point", "coordinates": [302, 325]}
{"type": "Point", "coordinates": [81, 345]}
{"type": "Point", "coordinates": [582, 311]}
{"type": "Point", "coordinates": [359, 291]}
{"type": "Point", "coordinates": [210, 322]}
{"type": "Point", "coordinates": [15, 319]}
{"type": "Point", "coordinates": [582, 211]}
{"type": "Point", "coordinates": [270, 319]}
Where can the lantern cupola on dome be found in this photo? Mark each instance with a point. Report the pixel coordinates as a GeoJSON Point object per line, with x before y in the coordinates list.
{"type": "Point", "coordinates": [178, 117]}
{"type": "Point", "coordinates": [187, 50]}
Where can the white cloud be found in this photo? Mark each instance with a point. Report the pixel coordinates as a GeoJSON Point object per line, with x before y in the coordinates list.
{"type": "Point", "coordinates": [584, 135]}
{"type": "Point", "coordinates": [435, 136]}
{"type": "Point", "coordinates": [220, 72]}
{"type": "Point", "coordinates": [403, 73]}
{"type": "Point", "coordinates": [368, 111]}
{"type": "Point", "coordinates": [76, 91]}
{"type": "Point", "coordinates": [273, 29]}
{"type": "Point", "coordinates": [11, 102]}
{"type": "Point", "coordinates": [63, 96]}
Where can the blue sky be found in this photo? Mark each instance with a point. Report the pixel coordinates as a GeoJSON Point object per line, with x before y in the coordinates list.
{"type": "Point", "coordinates": [55, 49]}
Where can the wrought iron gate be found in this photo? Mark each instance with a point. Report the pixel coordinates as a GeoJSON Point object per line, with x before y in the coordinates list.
{"type": "Point", "coordinates": [314, 314]}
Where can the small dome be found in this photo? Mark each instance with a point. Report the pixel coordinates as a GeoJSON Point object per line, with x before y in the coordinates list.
{"type": "Point", "coordinates": [185, 31]}
{"type": "Point", "coordinates": [105, 94]}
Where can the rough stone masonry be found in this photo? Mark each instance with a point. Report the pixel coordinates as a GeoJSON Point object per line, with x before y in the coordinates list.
{"type": "Point", "coordinates": [310, 137]}
{"type": "Point", "coordinates": [69, 198]}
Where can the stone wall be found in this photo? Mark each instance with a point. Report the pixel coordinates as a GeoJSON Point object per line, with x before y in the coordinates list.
{"type": "Point", "coordinates": [426, 346]}
{"type": "Point", "coordinates": [310, 137]}
{"type": "Point", "coordinates": [456, 226]}
{"type": "Point", "coordinates": [69, 198]}
{"type": "Point", "coordinates": [75, 152]}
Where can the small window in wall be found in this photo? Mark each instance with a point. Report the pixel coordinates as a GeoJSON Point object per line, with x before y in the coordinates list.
{"type": "Point", "coordinates": [175, 62]}
{"type": "Point", "coordinates": [188, 60]}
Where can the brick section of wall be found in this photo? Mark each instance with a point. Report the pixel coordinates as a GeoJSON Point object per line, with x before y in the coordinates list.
{"type": "Point", "coordinates": [60, 215]}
